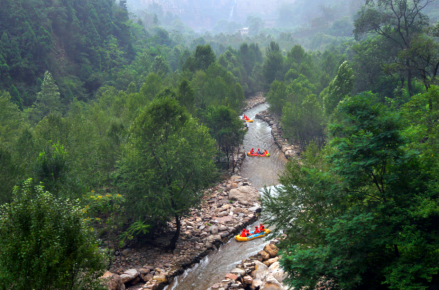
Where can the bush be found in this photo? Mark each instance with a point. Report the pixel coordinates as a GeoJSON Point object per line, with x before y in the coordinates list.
{"type": "Point", "coordinates": [46, 243]}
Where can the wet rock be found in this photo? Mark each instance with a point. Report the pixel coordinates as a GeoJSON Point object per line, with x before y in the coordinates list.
{"type": "Point", "coordinates": [129, 275]}
{"type": "Point", "coordinates": [271, 249]}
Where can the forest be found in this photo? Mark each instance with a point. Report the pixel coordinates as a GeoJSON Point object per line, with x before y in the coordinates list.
{"type": "Point", "coordinates": [116, 120]}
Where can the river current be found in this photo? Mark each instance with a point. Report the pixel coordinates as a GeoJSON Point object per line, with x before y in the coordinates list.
{"type": "Point", "coordinates": [260, 172]}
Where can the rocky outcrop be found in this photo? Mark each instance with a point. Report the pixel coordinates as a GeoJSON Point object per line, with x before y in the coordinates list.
{"type": "Point", "coordinates": [254, 101]}
{"type": "Point", "coordinates": [289, 150]}
{"type": "Point", "coordinates": [259, 272]}
{"type": "Point", "coordinates": [244, 195]}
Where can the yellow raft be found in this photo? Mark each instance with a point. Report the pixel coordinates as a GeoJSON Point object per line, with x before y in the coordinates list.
{"type": "Point", "coordinates": [252, 237]}
{"type": "Point", "coordinates": [258, 155]}
{"type": "Point", "coordinates": [249, 121]}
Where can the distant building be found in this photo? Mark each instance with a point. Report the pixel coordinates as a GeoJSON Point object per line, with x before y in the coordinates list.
{"type": "Point", "coordinates": [243, 31]}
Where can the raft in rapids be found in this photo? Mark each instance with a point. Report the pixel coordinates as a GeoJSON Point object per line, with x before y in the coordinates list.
{"type": "Point", "coordinates": [252, 236]}
{"type": "Point", "coordinates": [258, 155]}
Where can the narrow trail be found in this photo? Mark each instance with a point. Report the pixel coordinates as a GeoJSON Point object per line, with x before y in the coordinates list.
{"type": "Point", "coordinates": [260, 172]}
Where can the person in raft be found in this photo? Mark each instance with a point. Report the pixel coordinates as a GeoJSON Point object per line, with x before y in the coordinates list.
{"type": "Point", "coordinates": [243, 233]}
{"type": "Point", "coordinates": [259, 152]}
{"type": "Point", "coordinates": [245, 117]}
{"type": "Point", "coordinates": [265, 152]}
{"type": "Point", "coordinates": [261, 228]}
{"type": "Point", "coordinates": [252, 151]}
{"type": "Point", "coordinates": [247, 233]}
{"type": "Point", "coordinates": [256, 230]}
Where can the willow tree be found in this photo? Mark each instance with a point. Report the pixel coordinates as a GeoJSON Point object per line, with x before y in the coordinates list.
{"type": "Point", "coordinates": [167, 163]}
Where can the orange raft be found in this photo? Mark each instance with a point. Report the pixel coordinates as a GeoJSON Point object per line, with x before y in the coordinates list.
{"type": "Point", "coordinates": [247, 119]}
{"type": "Point", "coordinates": [258, 155]}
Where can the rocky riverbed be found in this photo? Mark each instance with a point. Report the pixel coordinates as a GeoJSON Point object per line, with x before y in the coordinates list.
{"type": "Point", "coordinates": [261, 271]}
{"type": "Point", "coordinates": [226, 209]}
{"type": "Point", "coordinates": [276, 130]}
{"type": "Point", "coordinates": [253, 102]}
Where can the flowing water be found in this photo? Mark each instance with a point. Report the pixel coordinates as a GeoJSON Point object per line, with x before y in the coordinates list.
{"type": "Point", "coordinates": [260, 172]}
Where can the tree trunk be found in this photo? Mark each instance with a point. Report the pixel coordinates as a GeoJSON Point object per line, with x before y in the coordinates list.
{"type": "Point", "coordinates": [174, 239]}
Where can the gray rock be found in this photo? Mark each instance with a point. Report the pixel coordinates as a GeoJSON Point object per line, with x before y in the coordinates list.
{"type": "Point", "coordinates": [238, 271]}
{"type": "Point", "coordinates": [129, 275]}
{"type": "Point", "coordinates": [213, 230]}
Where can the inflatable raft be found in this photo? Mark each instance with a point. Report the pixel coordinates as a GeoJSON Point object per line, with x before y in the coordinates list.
{"type": "Point", "coordinates": [258, 155]}
{"type": "Point", "coordinates": [252, 236]}
{"type": "Point", "coordinates": [248, 120]}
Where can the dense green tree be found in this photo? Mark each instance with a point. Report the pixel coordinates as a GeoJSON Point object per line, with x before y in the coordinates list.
{"type": "Point", "coordinates": [168, 161]}
{"type": "Point", "coordinates": [10, 118]}
{"type": "Point", "coordinates": [399, 21]}
{"type": "Point", "coordinates": [48, 99]}
{"type": "Point", "coordinates": [227, 129]}
{"type": "Point", "coordinates": [340, 87]}
{"type": "Point", "coordinates": [273, 64]}
{"type": "Point", "coordinates": [47, 241]}
{"type": "Point", "coordinates": [359, 217]}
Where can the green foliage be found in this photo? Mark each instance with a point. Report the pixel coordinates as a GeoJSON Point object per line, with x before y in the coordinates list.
{"type": "Point", "coordinates": [48, 99]}
{"type": "Point", "coordinates": [166, 164]}
{"type": "Point", "coordinates": [359, 217]}
{"type": "Point", "coordinates": [46, 240]}
{"type": "Point", "coordinates": [226, 128]}
{"type": "Point", "coordinates": [340, 87]}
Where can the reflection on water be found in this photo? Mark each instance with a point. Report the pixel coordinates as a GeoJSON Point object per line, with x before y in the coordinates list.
{"type": "Point", "coordinates": [260, 172]}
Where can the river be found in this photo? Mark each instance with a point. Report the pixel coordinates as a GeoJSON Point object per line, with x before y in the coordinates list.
{"type": "Point", "coordinates": [260, 172]}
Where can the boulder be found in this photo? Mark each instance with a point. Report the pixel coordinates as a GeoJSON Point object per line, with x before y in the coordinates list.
{"type": "Point", "coordinates": [261, 271]}
{"type": "Point", "coordinates": [244, 195]}
{"type": "Point", "coordinates": [271, 261]}
{"type": "Point", "coordinates": [232, 276]}
{"type": "Point", "coordinates": [113, 281]}
{"type": "Point", "coordinates": [213, 230]}
{"type": "Point", "coordinates": [238, 271]}
{"type": "Point", "coordinates": [271, 249]}
{"type": "Point", "coordinates": [129, 275]}
{"type": "Point", "coordinates": [277, 272]}
{"type": "Point", "coordinates": [213, 238]}
{"type": "Point", "coordinates": [160, 278]}
{"type": "Point", "coordinates": [272, 284]}
{"type": "Point", "coordinates": [256, 284]}
{"type": "Point", "coordinates": [248, 280]}
{"type": "Point", "coordinates": [264, 255]}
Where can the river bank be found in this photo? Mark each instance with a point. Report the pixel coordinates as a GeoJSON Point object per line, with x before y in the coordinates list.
{"type": "Point", "coordinates": [273, 121]}
{"type": "Point", "coordinates": [261, 271]}
{"type": "Point", "coordinates": [227, 207]}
